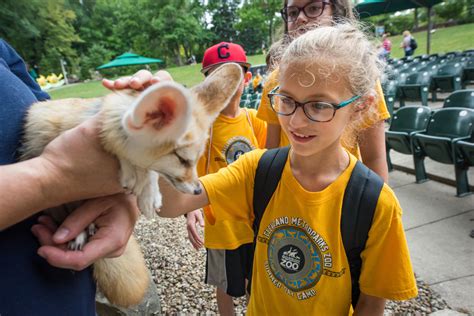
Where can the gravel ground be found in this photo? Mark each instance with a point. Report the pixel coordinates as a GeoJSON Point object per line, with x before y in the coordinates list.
{"type": "Point", "coordinates": [178, 272]}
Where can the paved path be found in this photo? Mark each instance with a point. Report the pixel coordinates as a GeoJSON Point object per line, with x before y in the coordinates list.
{"type": "Point", "coordinates": [438, 225]}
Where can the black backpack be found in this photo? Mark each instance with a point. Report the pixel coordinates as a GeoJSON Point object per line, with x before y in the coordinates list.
{"type": "Point", "coordinates": [413, 43]}
{"type": "Point", "coordinates": [358, 207]}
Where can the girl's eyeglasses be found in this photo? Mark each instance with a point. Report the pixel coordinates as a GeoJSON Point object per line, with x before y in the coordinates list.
{"type": "Point", "coordinates": [316, 111]}
{"type": "Point", "coordinates": [311, 10]}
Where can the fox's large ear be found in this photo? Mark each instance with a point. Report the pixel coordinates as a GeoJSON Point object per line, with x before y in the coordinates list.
{"type": "Point", "coordinates": [215, 92]}
{"type": "Point", "coordinates": [163, 110]}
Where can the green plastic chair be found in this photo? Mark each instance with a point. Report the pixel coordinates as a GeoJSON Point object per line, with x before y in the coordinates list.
{"type": "Point", "coordinates": [447, 78]}
{"type": "Point", "coordinates": [446, 127]}
{"type": "Point", "coordinates": [460, 99]}
{"type": "Point", "coordinates": [255, 103]}
{"type": "Point", "coordinates": [415, 88]}
{"type": "Point", "coordinates": [465, 151]}
{"type": "Point", "coordinates": [468, 73]}
{"type": "Point", "coordinates": [244, 103]}
{"type": "Point", "coordinates": [405, 122]}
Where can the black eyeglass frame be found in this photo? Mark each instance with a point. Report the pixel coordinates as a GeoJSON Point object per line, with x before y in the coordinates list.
{"type": "Point", "coordinates": [297, 104]}
{"type": "Point", "coordinates": [284, 11]}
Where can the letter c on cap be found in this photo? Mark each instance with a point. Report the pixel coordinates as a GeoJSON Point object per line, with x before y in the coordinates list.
{"type": "Point", "coordinates": [220, 54]}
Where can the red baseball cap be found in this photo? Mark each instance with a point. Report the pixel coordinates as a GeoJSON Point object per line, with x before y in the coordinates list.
{"type": "Point", "coordinates": [224, 53]}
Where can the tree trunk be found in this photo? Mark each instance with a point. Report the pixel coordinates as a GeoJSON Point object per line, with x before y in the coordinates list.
{"type": "Point", "coordinates": [415, 22]}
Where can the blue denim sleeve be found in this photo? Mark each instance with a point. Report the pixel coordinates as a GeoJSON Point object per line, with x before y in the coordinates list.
{"type": "Point", "coordinates": [17, 66]}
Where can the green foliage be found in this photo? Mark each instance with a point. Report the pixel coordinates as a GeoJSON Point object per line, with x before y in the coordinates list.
{"type": "Point", "coordinates": [251, 33]}
{"type": "Point", "coordinates": [19, 25]}
{"type": "Point", "coordinates": [257, 24]}
{"type": "Point", "coordinates": [96, 56]}
{"type": "Point", "coordinates": [224, 17]}
{"type": "Point", "coordinates": [87, 33]}
{"type": "Point", "coordinates": [57, 35]}
{"type": "Point", "coordinates": [450, 10]}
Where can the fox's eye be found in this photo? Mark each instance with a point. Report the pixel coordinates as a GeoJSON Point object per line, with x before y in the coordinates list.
{"type": "Point", "coordinates": [185, 162]}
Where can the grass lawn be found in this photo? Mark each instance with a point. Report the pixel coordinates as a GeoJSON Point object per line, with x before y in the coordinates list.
{"type": "Point", "coordinates": [442, 40]}
{"type": "Point", "coordinates": [187, 75]}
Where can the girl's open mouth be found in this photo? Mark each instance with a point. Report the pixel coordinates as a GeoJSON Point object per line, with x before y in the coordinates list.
{"type": "Point", "coordinates": [301, 138]}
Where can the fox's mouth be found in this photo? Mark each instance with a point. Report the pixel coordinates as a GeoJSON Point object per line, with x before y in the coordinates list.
{"type": "Point", "coordinates": [184, 187]}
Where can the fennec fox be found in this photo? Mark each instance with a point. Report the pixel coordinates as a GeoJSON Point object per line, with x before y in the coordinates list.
{"type": "Point", "coordinates": [162, 131]}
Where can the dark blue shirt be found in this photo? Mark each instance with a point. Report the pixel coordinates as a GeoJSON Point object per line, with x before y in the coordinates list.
{"type": "Point", "coordinates": [28, 284]}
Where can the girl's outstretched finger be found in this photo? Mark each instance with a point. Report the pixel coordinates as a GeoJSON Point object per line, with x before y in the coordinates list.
{"type": "Point", "coordinates": [140, 80]}
{"type": "Point", "coordinates": [109, 84]}
{"type": "Point", "coordinates": [122, 83]}
{"type": "Point", "coordinates": [163, 75]}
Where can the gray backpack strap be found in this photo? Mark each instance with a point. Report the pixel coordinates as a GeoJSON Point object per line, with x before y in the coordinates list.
{"type": "Point", "coordinates": [358, 208]}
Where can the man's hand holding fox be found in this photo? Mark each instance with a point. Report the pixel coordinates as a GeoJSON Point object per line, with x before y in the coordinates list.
{"type": "Point", "coordinates": [72, 167]}
{"type": "Point", "coordinates": [114, 218]}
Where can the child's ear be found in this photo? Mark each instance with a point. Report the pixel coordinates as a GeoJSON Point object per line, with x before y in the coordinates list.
{"type": "Point", "coordinates": [364, 103]}
{"type": "Point", "coordinates": [163, 109]}
{"type": "Point", "coordinates": [218, 88]}
{"type": "Point", "coordinates": [247, 77]}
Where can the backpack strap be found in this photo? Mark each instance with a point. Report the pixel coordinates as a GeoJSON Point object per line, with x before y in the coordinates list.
{"type": "Point", "coordinates": [267, 176]}
{"type": "Point", "coordinates": [358, 208]}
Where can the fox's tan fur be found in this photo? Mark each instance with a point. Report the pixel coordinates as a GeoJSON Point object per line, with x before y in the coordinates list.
{"type": "Point", "coordinates": [160, 131]}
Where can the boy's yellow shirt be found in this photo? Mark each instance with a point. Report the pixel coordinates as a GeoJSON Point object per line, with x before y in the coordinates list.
{"type": "Point", "coordinates": [230, 137]}
{"type": "Point", "coordinates": [300, 264]}
{"type": "Point", "coordinates": [266, 113]}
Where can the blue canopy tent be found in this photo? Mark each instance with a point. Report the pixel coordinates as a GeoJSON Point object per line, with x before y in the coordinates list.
{"type": "Point", "coordinates": [369, 8]}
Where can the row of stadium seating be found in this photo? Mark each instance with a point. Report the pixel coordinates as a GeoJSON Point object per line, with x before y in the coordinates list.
{"type": "Point", "coordinates": [445, 135]}
{"type": "Point", "coordinates": [250, 99]}
{"type": "Point", "coordinates": [412, 79]}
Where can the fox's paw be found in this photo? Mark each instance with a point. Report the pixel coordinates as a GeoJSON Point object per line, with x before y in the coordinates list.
{"type": "Point", "coordinates": [79, 242]}
{"type": "Point", "coordinates": [149, 200]}
{"type": "Point", "coordinates": [128, 176]}
{"type": "Point", "coordinates": [157, 201]}
{"type": "Point", "coordinates": [81, 239]}
{"type": "Point", "coordinates": [91, 230]}
{"type": "Point", "coordinates": [155, 191]}
{"type": "Point", "coordinates": [145, 204]}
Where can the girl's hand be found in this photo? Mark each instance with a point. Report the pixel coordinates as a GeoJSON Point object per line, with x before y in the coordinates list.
{"type": "Point", "coordinates": [139, 81]}
{"type": "Point", "coordinates": [193, 219]}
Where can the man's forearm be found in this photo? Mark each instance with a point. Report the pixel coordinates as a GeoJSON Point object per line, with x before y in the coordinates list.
{"type": "Point", "coordinates": [26, 189]}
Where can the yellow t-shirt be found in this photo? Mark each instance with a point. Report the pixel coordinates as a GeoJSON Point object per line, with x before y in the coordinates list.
{"type": "Point", "coordinates": [300, 263]}
{"type": "Point", "coordinates": [229, 139]}
{"type": "Point", "coordinates": [266, 113]}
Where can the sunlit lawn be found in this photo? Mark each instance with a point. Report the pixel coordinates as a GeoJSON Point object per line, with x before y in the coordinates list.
{"type": "Point", "coordinates": [442, 40]}
{"type": "Point", "coordinates": [187, 75]}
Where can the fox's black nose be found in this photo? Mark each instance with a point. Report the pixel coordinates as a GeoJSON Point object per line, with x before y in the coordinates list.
{"type": "Point", "coordinates": [197, 191]}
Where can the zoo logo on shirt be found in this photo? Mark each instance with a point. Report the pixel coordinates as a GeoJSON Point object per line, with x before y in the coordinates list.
{"type": "Point", "coordinates": [236, 147]}
{"type": "Point", "coordinates": [297, 256]}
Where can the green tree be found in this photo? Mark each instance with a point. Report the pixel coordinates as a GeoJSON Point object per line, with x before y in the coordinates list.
{"type": "Point", "coordinates": [224, 17]}
{"type": "Point", "coordinates": [95, 56]}
{"type": "Point", "coordinates": [19, 26]}
{"type": "Point", "coordinates": [251, 28]}
{"type": "Point", "coordinates": [57, 34]}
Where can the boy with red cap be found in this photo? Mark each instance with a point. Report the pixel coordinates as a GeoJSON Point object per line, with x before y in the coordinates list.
{"type": "Point", "coordinates": [235, 132]}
